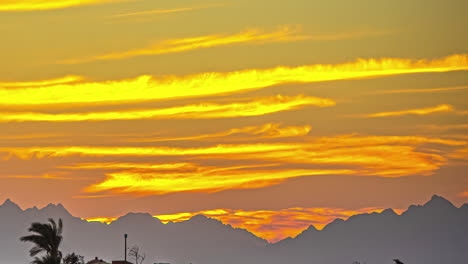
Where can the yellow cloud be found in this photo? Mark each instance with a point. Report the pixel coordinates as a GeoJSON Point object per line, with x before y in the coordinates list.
{"type": "Point", "coordinates": [35, 177]}
{"type": "Point", "coordinates": [30, 136]}
{"type": "Point", "coordinates": [269, 130]}
{"type": "Point", "coordinates": [272, 163]}
{"type": "Point", "coordinates": [252, 36]}
{"type": "Point", "coordinates": [446, 127]}
{"type": "Point", "coordinates": [49, 82]}
{"type": "Point", "coordinates": [146, 88]}
{"type": "Point", "coordinates": [355, 140]}
{"type": "Point", "coordinates": [42, 152]}
{"type": "Point", "coordinates": [431, 90]}
{"type": "Point", "coordinates": [31, 5]}
{"type": "Point", "coordinates": [385, 160]}
{"type": "Point", "coordinates": [392, 156]}
{"type": "Point", "coordinates": [420, 111]}
{"type": "Point", "coordinates": [461, 154]}
{"type": "Point", "coordinates": [386, 156]}
{"type": "Point", "coordinates": [93, 197]}
{"type": "Point", "coordinates": [200, 180]}
{"type": "Point", "coordinates": [257, 107]}
{"type": "Point", "coordinates": [147, 166]}
{"type": "Point", "coordinates": [163, 11]}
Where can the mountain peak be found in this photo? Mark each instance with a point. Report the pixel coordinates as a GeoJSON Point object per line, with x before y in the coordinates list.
{"type": "Point", "coordinates": [388, 211]}
{"type": "Point", "coordinates": [203, 219]}
{"type": "Point", "coordinates": [9, 204]}
{"type": "Point", "coordinates": [55, 209]}
{"type": "Point", "coordinates": [140, 218]}
{"type": "Point", "coordinates": [439, 202]}
{"type": "Point", "coordinates": [199, 218]}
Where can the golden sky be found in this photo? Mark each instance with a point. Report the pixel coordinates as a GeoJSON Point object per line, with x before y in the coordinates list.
{"type": "Point", "coordinates": [266, 115]}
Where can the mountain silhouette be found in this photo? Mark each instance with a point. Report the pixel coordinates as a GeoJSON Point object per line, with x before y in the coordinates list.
{"type": "Point", "coordinates": [433, 233]}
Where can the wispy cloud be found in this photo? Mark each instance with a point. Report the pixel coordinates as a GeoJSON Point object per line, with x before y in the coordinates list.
{"type": "Point", "coordinates": [257, 107]}
{"type": "Point", "coordinates": [33, 5]}
{"type": "Point", "coordinates": [251, 36]}
{"type": "Point", "coordinates": [203, 179]}
{"type": "Point", "coordinates": [165, 11]}
{"type": "Point", "coordinates": [461, 154]}
{"type": "Point", "coordinates": [269, 130]}
{"type": "Point", "coordinates": [378, 156]}
{"type": "Point", "coordinates": [30, 136]}
{"type": "Point", "coordinates": [42, 83]}
{"type": "Point", "coordinates": [446, 127]}
{"type": "Point", "coordinates": [419, 111]}
{"type": "Point", "coordinates": [147, 88]}
{"type": "Point", "coordinates": [147, 166]}
{"type": "Point", "coordinates": [431, 90]}
{"type": "Point", "coordinates": [36, 177]}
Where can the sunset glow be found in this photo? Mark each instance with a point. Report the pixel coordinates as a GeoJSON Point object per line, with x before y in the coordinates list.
{"type": "Point", "coordinates": [269, 116]}
{"type": "Point", "coordinates": [270, 225]}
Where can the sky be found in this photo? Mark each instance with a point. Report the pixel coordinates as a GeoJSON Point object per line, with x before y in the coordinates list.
{"type": "Point", "coordinates": [266, 115]}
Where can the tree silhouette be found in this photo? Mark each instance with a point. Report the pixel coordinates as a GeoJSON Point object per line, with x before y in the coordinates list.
{"type": "Point", "coordinates": [47, 239]}
{"type": "Point", "coordinates": [137, 255]}
{"type": "Point", "coordinates": [73, 258]}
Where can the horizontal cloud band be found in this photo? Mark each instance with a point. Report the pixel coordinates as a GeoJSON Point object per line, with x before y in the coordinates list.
{"type": "Point", "coordinates": [260, 106]}
{"type": "Point", "coordinates": [147, 88]}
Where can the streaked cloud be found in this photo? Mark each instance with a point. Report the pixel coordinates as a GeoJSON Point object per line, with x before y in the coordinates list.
{"type": "Point", "coordinates": [385, 160]}
{"type": "Point", "coordinates": [257, 107]}
{"type": "Point", "coordinates": [42, 152]}
{"type": "Point", "coordinates": [147, 88]}
{"type": "Point", "coordinates": [461, 154]}
{"type": "Point", "coordinates": [419, 111]}
{"type": "Point", "coordinates": [356, 140]}
{"type": "Point", "coordinates": [55, 81]}
{"type": "Point", "coordinates": [33, 5]}
{"type": "Point", "coordinates": [94, 197]}
{"type": "Point", "coordinates": [446, 127]}
{"type": "Point", "coordinates": [30, 136]}
{"type": "Point", "coordinates": [250, 36]}
{"type": "Point", "coordinates": [267, 224]}
{"type": "Point", "coordinates": [200, 180]}
{"type": "Point", "coordinates": [273, 163]}
{"type": "Point", "coordinates": [164, 11]}
{"type": "Point", "coordinates": [159, 167]}
{"type": "Point", "coordinates": [36, 177]}
{"type": "Point", "coordinates": [269, 130]}
{"type": "Point", "coordinates": [431, 90]}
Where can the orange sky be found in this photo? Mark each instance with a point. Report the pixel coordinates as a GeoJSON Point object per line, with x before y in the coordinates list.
{"type": "Point", "coordinates": [266, 116]}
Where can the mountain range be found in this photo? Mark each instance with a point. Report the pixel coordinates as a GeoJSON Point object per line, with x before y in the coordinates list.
{"type": "Point", "coordinates": [433, 233]}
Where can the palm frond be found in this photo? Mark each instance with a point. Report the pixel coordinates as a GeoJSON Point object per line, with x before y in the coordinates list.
{"type": "Point", "coordinates": [47, 238]}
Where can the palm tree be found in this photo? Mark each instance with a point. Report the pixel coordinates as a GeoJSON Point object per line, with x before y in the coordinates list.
{"type": "Point", "coordinates": [47, 239]}
{"type": "Point", "coordinates": [44, 260]}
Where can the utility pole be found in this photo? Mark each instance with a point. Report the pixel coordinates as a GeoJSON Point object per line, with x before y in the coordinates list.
{"type": "Point", "coordinates": [125, 236]}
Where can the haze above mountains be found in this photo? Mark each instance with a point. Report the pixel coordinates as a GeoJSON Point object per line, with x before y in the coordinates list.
{"type": "Point", "coordinates": [433, 233]}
